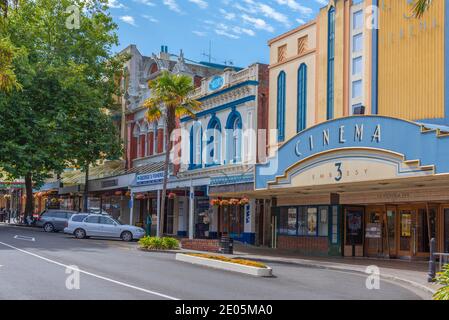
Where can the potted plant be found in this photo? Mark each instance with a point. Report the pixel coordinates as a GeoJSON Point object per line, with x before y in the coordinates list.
{"type": "Point", "coordinates": [234, 202]}
{"type": "Point", "coordinates": [172, 195]}
{"type": "Point", "coordinates": [224, 203]}
{"type": "Point", "coordinates": [215, 202]}
{"type": "Point", "coordinates": [244, 201]}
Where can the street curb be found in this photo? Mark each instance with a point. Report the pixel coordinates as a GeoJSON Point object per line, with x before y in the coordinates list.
{"type": "Point", "coordinates": [226, 266]}
{"type": "Point", "coordinates": [414, 284]}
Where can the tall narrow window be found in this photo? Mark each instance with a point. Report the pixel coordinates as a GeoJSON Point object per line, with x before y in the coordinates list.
{"type": "Point", "coordinates": [302, 98]}
{"type": "Point", "coordinates": [214, 142]}
{"type": "Point", "coordinates": [281, 107]}
{"type": "Point", "coordinates": [234, 127]}
{"type": "Point", "coordinates": [330, 63]}
{"type": "Point", "coordinates": [196, 146]}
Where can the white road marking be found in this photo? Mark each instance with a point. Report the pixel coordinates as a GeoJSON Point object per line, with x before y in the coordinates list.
{"type": "Point", "coordinates": [31, 239]}
{"type": "Point", "coordinates": [91, 274]}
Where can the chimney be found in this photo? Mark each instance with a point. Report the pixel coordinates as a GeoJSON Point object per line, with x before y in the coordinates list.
{"type": "Point", "coordinates": [164, 55]}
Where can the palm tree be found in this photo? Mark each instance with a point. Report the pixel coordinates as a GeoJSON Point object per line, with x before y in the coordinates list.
{"type": "Point", "coordinates": [420, 7]}
{"type": "Point", "coordinates": [171, 100]}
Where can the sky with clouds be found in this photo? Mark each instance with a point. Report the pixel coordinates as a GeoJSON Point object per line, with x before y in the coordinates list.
{"type": "Point", "coordinates": [238, 29]}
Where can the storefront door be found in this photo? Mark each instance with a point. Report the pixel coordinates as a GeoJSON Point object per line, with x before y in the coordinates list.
{"type": "Point", "coordinates": [392, 232]}
{"type": "Point", "coordinates": [406, 244]}
{"type": "Point", "coordinates": [354, 232]}
{"type": "Point", "coordinates": [446, 230]}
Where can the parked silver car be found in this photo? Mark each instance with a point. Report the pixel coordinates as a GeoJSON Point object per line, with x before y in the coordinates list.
{"type": "Point", "coordinates": [94, 225]}
{"type": "Point", "coordinates": [54, 220]}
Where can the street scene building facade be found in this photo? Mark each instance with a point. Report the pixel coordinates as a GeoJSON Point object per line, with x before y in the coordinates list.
{"type": "Point", "coordinates": [339, 147]}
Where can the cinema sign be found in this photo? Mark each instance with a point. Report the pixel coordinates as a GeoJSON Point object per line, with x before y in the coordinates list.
{"type": "Point", "coordinates": [355, 149]}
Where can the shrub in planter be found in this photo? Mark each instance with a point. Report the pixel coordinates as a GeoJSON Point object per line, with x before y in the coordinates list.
{"type": "Point", "coordinates": [443, 279]}
{"type": "Point", "coordinates": [170, 243]}
{"type": "Point", "coordinates": [155, 243]}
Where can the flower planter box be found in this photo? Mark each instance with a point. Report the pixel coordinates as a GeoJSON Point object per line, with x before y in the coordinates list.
{"type": "Point", "coordinates": [227, 266]}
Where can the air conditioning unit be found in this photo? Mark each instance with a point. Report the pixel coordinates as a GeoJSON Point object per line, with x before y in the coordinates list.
{"type": "Point", "coordinates": [359, 110]}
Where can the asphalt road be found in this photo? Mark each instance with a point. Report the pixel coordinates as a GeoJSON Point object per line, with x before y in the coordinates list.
{"type": "Point", "coordinates": [33, 265]}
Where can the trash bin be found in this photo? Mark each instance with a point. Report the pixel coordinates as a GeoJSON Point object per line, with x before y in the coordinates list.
{"type": "Point", "coordinates": [227, 245]}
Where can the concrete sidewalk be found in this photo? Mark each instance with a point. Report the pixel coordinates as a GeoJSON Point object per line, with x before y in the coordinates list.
{"type": "Point", "coordinates": [412, 273]}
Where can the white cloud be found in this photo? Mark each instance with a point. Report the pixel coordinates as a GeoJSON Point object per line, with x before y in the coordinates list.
{"type": "Point", "coordinates": [172, 5]}
{"type": "Point", "coordinates": [227, 15]}
{"type": "Point", "coordinates": [146, 2]}
{"type": "Point", "coordinates": [200, 3]}
{"type": "Point", "coordinates": [257, 23]}
{"type": "Point", "coordinates": [150, 18]}
{"type": "Point", "coordinates": [114, 4]}
{"type": "Point", "coordinates": [295, 6]}
{"type": "Point", "coordinates": [200, 33]}
{"type": "Point", "coordinates": [129, 20]}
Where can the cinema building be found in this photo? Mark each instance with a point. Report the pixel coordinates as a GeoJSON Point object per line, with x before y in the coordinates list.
{"type": "Point", "coordinates": [360, 165]}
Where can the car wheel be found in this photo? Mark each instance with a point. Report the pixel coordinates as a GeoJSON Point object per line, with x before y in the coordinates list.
{"type": "Point", "coordinates": [127, 236]}
{"type": "Point", "coordinates": [80, 234]}
{"type": "Point", "coordinates": [48, 227]}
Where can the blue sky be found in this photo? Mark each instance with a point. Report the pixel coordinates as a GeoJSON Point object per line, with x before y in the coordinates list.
{"type": "Point", "coordinates": [238, 29]}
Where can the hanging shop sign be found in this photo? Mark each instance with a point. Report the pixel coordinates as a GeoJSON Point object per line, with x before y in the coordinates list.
{"type": "Point", "coordinates": [355, 149]}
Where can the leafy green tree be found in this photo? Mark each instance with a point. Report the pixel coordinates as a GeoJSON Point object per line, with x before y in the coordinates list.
{"type": "Point", "coordinates": [171, 99]}
{"type": "Point", "coordinates": [93, 138]}
{"type": "Point", "coordinates": [67, 69]}
{"type": "Point", "coordinates": [8, 79]}
{"type": "Point", "coordinates": [420, 7]}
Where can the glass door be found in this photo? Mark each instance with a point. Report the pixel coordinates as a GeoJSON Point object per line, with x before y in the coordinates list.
{"type": "Point", "coordinates": [405, 233]}
{"type": "Point", "coordinates": [446, 230]}
{"type": "Point", "coordinates": [391, 232]}
{"type": "Point", "coordinates": [354, 227]}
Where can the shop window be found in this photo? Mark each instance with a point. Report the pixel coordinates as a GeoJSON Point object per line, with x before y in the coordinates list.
{"type": "Point", "coordinates": [312, 219]}
{"type": "Point", "coordinates": [323, 222]}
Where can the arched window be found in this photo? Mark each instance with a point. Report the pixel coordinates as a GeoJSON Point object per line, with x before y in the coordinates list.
{"type": "Point", "coordinates": [136, 145]}
{"type": "Point", "coordinates": [196, 146]}
{"type": "Point", "coordinates": [330, 63]}
{"type": "Point", "coordinates": [302, 98]}
{"type": "Point", "coordinates": [281, 106]}
{"type": "Point", "coordinates": [214, 142]}
{"type": "Point", "coordinates": [234, 137]}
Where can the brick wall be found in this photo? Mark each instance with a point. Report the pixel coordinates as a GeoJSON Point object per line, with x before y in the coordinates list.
{"type": "Point", "coordinates": [306, 245]}
{"type": "Point", "coordinates": [208, 245]}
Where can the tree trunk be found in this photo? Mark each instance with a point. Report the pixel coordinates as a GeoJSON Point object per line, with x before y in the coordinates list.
{"type": "Point", "coordinates": [29, 205]}
{"type": "Point", "coordinates": [170, 126]}
{"type": "Point", "coordinates": [86, 190]}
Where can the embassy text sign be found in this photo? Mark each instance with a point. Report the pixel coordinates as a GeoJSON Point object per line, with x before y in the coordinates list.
{"type": "Point", "coordinates": [362, 133]}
